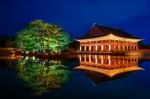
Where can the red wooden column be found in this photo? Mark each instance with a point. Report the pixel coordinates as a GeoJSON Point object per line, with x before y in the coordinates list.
{"type": "Point", "coordinates": [102, 59]}
{"type": "Point", "coordinates": [109, 60]}
{"type": "Point", "coordinates": [95, 59]}
{"type": "Point", "coordinates": [90, 48]}
{"type": "Point", "coordinates": [137, 48]}
{"type": "Point", "coordinates": [85, 48]}
{"type": "Point", "coordinates": [96, 46]}
{"type": "Point", "coordinates": [123, 48]}
{"type": "Point", "coordinates": [109, 47]}
{"type": "Point", "coordinates": [102, 47]}
{"type": "Point", "coordinates": [80, 48]}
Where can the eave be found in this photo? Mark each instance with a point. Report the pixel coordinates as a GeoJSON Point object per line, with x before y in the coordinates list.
{"type": "Point", "coordinates": [109, 37]}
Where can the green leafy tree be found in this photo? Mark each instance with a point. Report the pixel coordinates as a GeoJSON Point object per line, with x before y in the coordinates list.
{"type": "Point", "coordinates": [27, 39]}
{"type": "Point", "coordinates": [40, 36]}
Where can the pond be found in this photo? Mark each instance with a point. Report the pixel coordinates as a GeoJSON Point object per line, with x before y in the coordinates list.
{"type": "Point", "coordinates": [83, 76]}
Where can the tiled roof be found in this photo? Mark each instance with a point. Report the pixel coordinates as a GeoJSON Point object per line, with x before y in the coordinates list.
{"type": "Point", "coordinates": [99, 31]}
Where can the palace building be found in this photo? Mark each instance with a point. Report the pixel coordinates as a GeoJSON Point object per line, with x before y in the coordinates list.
{"type": "Point", "coordinates": [101, 39]}
{"type": "Point", "coordinates": [108, 65]}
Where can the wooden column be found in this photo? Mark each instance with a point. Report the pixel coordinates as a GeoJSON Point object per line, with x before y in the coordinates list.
{"type": "Point", "coordinates": [109, 47]}
{"type": "Point", "coordinates": [123, 48]}
{"type": "Point", "coordinates": [96, 59]}
{"type": "Point", "coordinates": [90, 58]}
{"type": "Point", "coordinates": [102, 47]}
{"type": "Point", "coordinates": [102, 59]}
{"type": "Point", "coordinates": [109, 60]}
{"type": "Point", "coordinates": [84, 48]}
{"type": "Point", "coordinates": [119, 48]}
{"type": "Point", "coordinates": [136, 47]}
{"type": "Point", "coordinates": [80, 48]}
{"type": "Point", "coordinates": [96, 46]}
{"type": "Point", "coordinates": [90, 48]}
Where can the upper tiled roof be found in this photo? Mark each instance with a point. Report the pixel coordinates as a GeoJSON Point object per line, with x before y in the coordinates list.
{"type": "Point", "coordinates": [99, 31]}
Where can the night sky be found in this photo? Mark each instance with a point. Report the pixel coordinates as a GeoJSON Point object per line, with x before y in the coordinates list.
{"type": "Point", "coordinates": [77, 16]}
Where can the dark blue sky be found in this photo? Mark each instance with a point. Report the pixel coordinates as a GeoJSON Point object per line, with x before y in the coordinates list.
{"type": "Point", "coordinates": [77, 16]}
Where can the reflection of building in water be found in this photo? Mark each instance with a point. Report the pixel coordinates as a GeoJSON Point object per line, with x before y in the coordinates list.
{"type": "Point", "coordinates": [10, 57]}
{"type": "Point", "coordinates": [108, 65]}
{"type": "Point", "coordinates": [105, 39]}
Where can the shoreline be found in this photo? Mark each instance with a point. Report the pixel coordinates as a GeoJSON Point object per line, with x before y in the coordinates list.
{"type": "Point", "coordinates": [10, 51]}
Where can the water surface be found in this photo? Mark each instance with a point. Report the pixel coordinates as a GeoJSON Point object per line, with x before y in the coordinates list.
{"type": "Point", "coordinates": [86, 76]}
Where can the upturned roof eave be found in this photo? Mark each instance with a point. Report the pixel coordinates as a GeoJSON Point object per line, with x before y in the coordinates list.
{"type": "Point", "coordinates": [106, 35]}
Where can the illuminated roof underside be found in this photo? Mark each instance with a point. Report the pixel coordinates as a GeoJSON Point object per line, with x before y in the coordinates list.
{"type": "Point", "coordinates": [109, 73]}
{"type": "Point", "coordinates": [109, 37]}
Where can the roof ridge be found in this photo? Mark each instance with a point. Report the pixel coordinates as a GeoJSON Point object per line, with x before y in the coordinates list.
{"type": "Point", "coordinates": [101, 25]}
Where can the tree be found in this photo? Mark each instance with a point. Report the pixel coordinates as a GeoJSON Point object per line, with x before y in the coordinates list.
{"type": "Point", "coordinates": [39, 36]}
{"type": "Point", "coordinates": [27, 39]}
{"type": "Point", "coordinates": [40, 78]}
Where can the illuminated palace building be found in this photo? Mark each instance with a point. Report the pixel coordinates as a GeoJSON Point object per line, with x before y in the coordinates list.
{"type": "Point", "coordinates": [108, 65]}
{"type": "Point", "coordinates": [106, 39]}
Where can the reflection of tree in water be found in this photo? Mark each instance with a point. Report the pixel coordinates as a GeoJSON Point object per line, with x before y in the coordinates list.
{"type": "Point", "coordinates": [40, 78]}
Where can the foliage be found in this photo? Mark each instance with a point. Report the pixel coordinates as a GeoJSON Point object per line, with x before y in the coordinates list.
{"type": "Point", "coordinates": [41, 78]}
{"type": "Point", "coordinates": [41, 37]}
